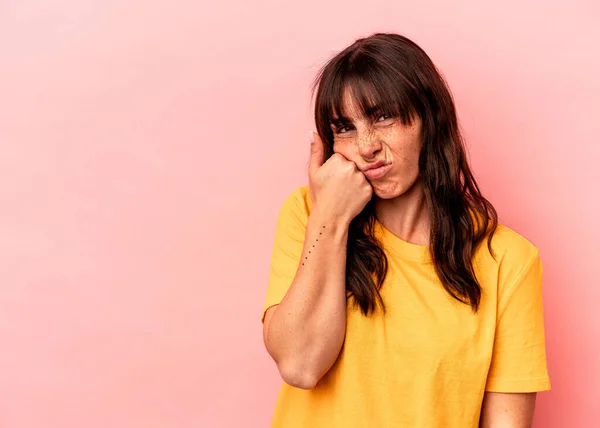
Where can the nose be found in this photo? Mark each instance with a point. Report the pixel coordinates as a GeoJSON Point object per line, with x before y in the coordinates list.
{"type": "Point", "coordinates": [369, 145]}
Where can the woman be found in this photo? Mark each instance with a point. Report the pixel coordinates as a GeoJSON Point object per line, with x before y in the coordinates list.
{"type": "Point", "coordinates": [395, 298]}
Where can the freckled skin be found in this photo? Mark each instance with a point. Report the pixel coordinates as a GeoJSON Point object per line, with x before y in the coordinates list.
{"type": "Point", "coordinates": [368, 140]}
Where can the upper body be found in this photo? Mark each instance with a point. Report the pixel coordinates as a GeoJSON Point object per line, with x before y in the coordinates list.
{"type": "Point", "coordinates": [429, 360]}
{"type": "Point", "coordinates": [395, 299]}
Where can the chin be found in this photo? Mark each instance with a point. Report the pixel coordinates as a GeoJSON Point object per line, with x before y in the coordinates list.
{"type": "Point", "coordinates": [388, 192]}
{"type": "Point", "coordinates": [392, 190]}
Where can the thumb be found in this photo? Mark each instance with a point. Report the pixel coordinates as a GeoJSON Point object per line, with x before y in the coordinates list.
{"type": "Point", "coordinates": [317, 152]}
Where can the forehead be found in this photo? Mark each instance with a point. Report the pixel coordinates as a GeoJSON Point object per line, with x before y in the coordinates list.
{"type": "Point", "coordinates": [350, 108]}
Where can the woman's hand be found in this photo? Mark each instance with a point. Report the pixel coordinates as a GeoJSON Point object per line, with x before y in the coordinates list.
{"type": "Point", "coordinates": [337, 187]}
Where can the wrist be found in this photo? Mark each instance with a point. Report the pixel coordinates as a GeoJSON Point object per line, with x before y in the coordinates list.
{"type": "Point", "coordinates": [327, 217]}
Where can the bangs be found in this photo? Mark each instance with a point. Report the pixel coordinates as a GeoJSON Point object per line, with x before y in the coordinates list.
{"type": "Point", "coordinates": [374, 89]}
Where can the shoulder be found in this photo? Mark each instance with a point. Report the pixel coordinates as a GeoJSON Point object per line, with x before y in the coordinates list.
{"type": "Point", "coordinates": [515, 257]}
{"type": "Point", "coordinates": [296, 207]}
{"type": "Point", "coordinates": [298, 202]}
{"type": "Point", "coordinates": [511, 246]}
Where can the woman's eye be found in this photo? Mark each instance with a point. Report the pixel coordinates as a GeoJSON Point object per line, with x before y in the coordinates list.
{"type": "Point", "coordinates": [383, 116]}
{"type": "Point", "coordinates": [342, 129]}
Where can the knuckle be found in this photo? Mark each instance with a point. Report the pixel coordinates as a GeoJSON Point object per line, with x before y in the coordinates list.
{"type": "Point", "coordinates": [337, 158]}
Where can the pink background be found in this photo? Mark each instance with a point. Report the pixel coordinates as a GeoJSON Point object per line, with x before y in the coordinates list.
{"type": "Point", "coordinates": [145, 148]}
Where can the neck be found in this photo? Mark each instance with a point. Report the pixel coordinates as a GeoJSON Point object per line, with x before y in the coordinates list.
{"type": "Point", "coordinates": [406, 216]}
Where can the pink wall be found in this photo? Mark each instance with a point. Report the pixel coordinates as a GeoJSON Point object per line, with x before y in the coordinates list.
{"type": "Point", "coordinates": [145, 150]}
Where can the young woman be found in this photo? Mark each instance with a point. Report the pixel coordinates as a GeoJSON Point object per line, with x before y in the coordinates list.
{"type": "Point", "coordinates": [395, 298]}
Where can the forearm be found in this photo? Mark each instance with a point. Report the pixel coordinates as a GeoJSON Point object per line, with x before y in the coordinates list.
{"type": "Point", "coordinates": [307, 330]}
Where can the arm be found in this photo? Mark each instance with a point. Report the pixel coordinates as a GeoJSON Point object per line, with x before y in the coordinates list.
{"type": "Point", "coordinates": [501, 410]}
{"type": "Point", "coordinates": [305, 332]}
{"type": "Point", "coordinates": [518, 367]}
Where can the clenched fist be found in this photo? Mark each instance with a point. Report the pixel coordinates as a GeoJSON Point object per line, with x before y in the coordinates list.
{"type": "Point", "coordinates": [337, 187]}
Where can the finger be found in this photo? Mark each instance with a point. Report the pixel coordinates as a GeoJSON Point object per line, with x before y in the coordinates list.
{"type": "Point", "coordinates": [317, 152]}
{"type": "Point", "coordinates": [343, 160]}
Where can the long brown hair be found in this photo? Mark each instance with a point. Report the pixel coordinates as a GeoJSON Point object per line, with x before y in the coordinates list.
{"type": "Point", "coordinates": [391, 71]}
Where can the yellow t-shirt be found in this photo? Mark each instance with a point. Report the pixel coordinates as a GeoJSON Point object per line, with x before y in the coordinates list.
{"type": "Point", "coordinates": [427, 362]}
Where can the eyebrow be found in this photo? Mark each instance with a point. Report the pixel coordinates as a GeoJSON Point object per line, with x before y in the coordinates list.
{"type": "Point", "coordinates": [371, 111]}
{"type": "Point", "coordinates": [337, 121]}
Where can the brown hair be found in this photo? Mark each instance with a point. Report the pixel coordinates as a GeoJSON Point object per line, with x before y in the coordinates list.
{"type": "Point", "coordinates": [391, 71]}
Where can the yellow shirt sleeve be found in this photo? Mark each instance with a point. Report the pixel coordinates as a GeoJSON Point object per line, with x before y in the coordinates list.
{"type": "Point", "coordinates": [287, 248]}
{"type": "Point", "coordinates": [519, 356]}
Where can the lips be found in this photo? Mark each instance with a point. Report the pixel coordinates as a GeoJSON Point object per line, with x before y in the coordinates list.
{"type": "Point", "coordinates": [376, 170]}
{"type": "Point", "coordinates": [375, 165]}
